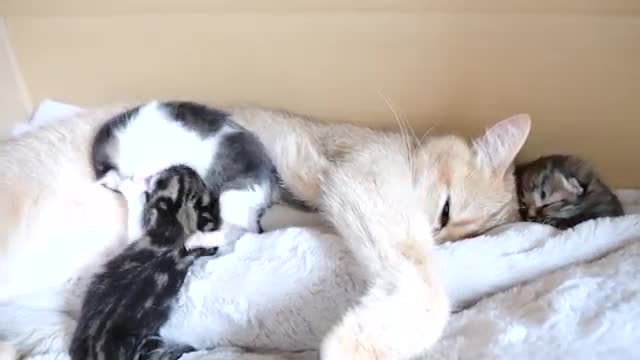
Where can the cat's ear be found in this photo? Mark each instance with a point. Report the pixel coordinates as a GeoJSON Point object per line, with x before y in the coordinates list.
{"type": "Point", "coordinates": [572, 185]}
{"type": "Point", "coordinates": [498, 147]}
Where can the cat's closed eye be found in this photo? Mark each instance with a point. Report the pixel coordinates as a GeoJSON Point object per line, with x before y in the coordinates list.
{"type": "Point", "coordinates": [444, 214]}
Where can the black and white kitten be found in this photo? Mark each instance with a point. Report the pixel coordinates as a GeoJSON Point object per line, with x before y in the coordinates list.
{"type": "Point", "coordinates": [129, 300]}
{"type": "Point", "coordinates": [563, 191]}
{"type": "Point", "coordinates": [231, 160]}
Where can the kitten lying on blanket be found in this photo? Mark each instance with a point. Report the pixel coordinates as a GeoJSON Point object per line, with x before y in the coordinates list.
{"type": "Point", "coordinates": [231, 160]}
{"type": "Point", "coordinates": [131, 298]}
{"type": "Point", "coordinates": [563, 191]}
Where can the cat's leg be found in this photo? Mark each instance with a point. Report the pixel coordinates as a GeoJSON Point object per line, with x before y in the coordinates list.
{"type": "Point", "coordinates": [244, 207]}
{"type": "Point", "coordinates": [384, 223]}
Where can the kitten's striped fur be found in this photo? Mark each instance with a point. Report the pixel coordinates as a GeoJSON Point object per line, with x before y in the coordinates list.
{"type": "Point", "coordinates": [563, 191]}
{"type": "Point", "coordinates": [131, 298]}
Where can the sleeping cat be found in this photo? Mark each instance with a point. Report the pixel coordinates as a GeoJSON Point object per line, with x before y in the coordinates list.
{"type": "Point", "coordinates": [563, 191]}
{"type": "Point", "coordinates": [131, 298]}
{"type": "Point", "coordinates": [232, 161]}
{"type": "Point", "coordinates": [390, 197]}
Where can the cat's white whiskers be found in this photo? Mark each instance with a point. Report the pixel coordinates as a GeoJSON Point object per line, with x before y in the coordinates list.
{"type": "Point", "coordinates": [408, 136]}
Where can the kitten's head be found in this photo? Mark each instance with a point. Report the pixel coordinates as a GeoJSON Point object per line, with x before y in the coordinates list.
{"type": "Point", "coordinates": [179, 196]}
{"type": "Point", "coordinates": [548, 188]}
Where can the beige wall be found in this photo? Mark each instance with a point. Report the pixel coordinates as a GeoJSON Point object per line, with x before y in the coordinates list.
{"type": "Point", "coordinates": [574, 65]}
{"type": "Point", "coordinates": [14, 103]}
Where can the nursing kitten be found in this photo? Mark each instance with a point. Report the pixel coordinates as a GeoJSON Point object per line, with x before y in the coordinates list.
{"type": "Point", "coordinates": [563, 191]}
{"type": "Point", "coordinates": [131, 298]}
{"type": "Point", "coordinates": [408, 195]}
{"type": "Point", "coordinates": [232, 161]}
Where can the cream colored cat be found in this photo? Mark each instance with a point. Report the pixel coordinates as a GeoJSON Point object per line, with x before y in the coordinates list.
{"type": "Point", "coordinates": [388, 196]}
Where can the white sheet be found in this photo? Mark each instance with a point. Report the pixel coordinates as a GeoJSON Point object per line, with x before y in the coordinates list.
{"type": "Point", "coordinates": [282, 290]}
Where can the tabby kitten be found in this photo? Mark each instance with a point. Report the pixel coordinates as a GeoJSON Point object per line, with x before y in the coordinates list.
{"type": "Point", "coordinates": [131, 298]}
{"type": "Point", "coordinates": [563, 191]}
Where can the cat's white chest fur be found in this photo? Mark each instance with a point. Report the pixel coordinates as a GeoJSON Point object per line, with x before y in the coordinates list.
{"type": "Point", "coordinates": [153, 141]}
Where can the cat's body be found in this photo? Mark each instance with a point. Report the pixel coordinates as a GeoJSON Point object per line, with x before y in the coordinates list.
{"type": "Point", "coordinates": [130, 299]}
{"type": "Point", "coordinates": [563, 191]}
{"type": "Point", "coordinates": [232, 161]}
{"type": "Point", "coordinates": [385, 193]}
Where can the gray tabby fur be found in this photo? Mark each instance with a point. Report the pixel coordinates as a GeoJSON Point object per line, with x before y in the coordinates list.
{"type": "Point", "coordinates": [129, 300]}
{"type": "Point", "coordinates": [563, 191]}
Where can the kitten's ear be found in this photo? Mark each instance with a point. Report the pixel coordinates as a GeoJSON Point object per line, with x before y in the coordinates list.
{"type": "Point", "coordinates": [572, 185]}
{"type": "Point", "coordinates": [498, 147]}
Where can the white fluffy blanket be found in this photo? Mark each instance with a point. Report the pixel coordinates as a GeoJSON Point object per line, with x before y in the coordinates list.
{"type": "Point", "coordinates": [522, 291]}
{"type": "Point", "coordinates": [286, 288]}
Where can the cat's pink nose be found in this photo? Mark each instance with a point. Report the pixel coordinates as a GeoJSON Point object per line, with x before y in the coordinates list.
{"type": "Point", "coordinates": [532, 212]}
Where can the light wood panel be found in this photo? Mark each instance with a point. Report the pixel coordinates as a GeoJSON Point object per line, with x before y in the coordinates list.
{"type": "Point", "coordinates": [573, 65]}
{"type": "Point", "coordinates": [172, 7]}
{"type": "Point", "coordinates": [14, 102]}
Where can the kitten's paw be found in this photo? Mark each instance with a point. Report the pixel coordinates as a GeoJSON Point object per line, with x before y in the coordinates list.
{"type": "Point", "coordinates": [111, 180]}
{"type": "Point", "coordinates": [211, 239]}
{"type": "Point", "coordinates": [202, 252]}
{"type": "Point", "coordinates": [176, 352]}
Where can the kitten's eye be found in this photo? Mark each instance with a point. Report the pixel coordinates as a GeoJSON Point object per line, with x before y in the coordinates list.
{"type": "Point", "coordinates": [161, 184]}
{"type": "Point", "coordinates": [444, 215]}
{"type": "Point", "coordinates": [543, 194]}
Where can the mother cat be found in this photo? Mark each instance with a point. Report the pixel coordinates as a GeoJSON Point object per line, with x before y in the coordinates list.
{"type": "Point", "coordinates": [389, 197]}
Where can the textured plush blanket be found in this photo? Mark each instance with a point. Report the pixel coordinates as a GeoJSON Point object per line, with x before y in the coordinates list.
{"type": "Point", "coordinates": [525, 291]}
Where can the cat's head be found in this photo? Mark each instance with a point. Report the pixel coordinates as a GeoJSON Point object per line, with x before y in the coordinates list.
{"type": "Point", "coordinates": [472, 188]}
{"type": "Point", "coordinates": [178, 195]}
{"type": "Point", "coordinates": [443, 188]}
{"type": "Point", "coordinates": [547, 188]}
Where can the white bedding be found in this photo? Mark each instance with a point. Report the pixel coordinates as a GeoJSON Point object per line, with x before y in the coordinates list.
{"type": "Point", "coordinates": [286, 288]}
{"type": "Point", "coordinates": [282, 290]}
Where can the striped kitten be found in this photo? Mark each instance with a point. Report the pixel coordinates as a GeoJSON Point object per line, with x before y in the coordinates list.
{"type": "Point", "coordinates": [563, 191]}
{"type": "Point", "coordinates": [131, 297]}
